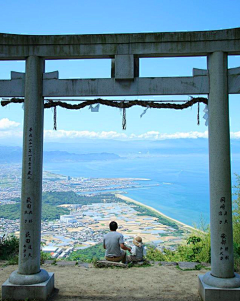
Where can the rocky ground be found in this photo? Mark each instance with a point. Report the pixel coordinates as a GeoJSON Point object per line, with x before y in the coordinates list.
{"type": "Point", "coordinates": [85, 282]}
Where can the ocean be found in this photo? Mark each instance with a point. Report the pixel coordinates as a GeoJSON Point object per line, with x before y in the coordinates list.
{"type": "Point", "coordinates": [183, 181]}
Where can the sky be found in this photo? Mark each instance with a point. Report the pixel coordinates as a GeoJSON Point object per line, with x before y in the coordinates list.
{"type": "Point", "coordinates": [98, 17]}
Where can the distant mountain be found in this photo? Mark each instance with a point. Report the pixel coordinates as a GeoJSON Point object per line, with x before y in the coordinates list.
{"type": "Point", "coordinates": [141, 147]}
{"type": "Point", "coordinates": [9, 154]}
{"type": "Point", "coordinates": [180, 146]}
{"type": "Point", "coordinates": [124, 148]}
{"type": "Point", "coordinates": [114, 149]}
{"type": "Point", "coordinates": [59, 156]}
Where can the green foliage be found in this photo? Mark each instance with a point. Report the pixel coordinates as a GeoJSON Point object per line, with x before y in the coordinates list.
{"type": "Point", "coordinates": [155, 254]}
{"type": "Point", "coordinates": [9, 247]}
{"type": "Point", "coordinates": [50, 201]}
{"type": "Point", "coordinates": [70, 197]}
{"type": "Point", "coordinates": [236, 225]}
{"type": "Point", "coordinates": [10, 211]}
{"type": "Point", "coordinates": [194, 240]}
{"type": "Point", "coordinates": [198, 267]}
{"type": "Point", "coordinates": [13, 260]}
{"type": "Point", "coordinates": [44, 256]}
{"type": "Point", "coordinates": [90, 254]}
{"type": "Point", "coordinates": [236, 215]}
{"type": "Point", "coordinates": [197, 248]}
{"type": "Point", "coordinates": [50, 212]}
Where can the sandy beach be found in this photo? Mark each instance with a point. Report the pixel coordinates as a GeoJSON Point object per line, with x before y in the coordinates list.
{"type": "Point", "coordinates": [127, 199]}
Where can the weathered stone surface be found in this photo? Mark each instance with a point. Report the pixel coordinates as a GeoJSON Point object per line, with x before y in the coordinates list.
{"type": "Point", "coordinates": [111, 87]}
{"type": "Point", "coordinates": [85, 265]}
{"type": "Point", "coordinates": [154, 262]}
{"type": "Point", "coordinates": [168, 263]}
{"type": "Point", "coordinates": [216, 293]}
{"type": "Point", "coordinates": [124, 67]}
{"type": "Point", "coordinates": [53, 87]}
{"type": "Point", "coordinates": [31, 192]}
{"type": "Point", "coordinates": [24, 279]}
{"type": "Point", "coordinates": [108, 45]}
{"type": "Point", "coordinates": [38, 291]}
{"type": "Point", "coordinates": [220, 168]}
{"type": "Point", "coordinates": [63, 263]}
{"type": "Point", "coordinates": [107, 264]}
{"type": "Point", "coordinates": [187, 265]}
{"type": "Point", "coordinates": [140, 263]}
{"type": "Point", "coordinates": [47, 262]}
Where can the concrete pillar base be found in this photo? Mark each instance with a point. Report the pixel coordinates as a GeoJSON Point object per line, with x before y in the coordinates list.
{"type": "Point", "coordinates": [39, 291]}
{"type": "Point", "coordinates": [211, 293]}
{"type": "Point", "coordinates": [233, 282]}
{"type": "Point", "coordinates": [19, 279]}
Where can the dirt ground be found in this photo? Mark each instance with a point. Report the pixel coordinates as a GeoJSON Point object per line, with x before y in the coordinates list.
{"type": "Point", "coordinates": [162, 283]}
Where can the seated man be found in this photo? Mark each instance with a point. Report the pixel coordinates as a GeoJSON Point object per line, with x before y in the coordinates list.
{"type": "Point", "coordinates": [113, 242]}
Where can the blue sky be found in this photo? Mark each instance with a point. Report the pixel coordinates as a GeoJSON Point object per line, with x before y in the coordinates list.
{"type": "Point", "coordinates": [87, 17]}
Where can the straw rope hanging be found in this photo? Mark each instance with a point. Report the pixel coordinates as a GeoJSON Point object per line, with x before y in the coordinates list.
{"type": "Point", "coordinates": [122, 104]}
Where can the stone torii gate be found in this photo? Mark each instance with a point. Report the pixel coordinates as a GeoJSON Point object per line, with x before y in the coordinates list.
{"type": "Point", "coordinates": [125, 50]}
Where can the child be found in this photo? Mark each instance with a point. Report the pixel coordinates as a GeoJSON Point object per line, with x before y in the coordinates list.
{"type": "Point", "coordinates": [138, 250]}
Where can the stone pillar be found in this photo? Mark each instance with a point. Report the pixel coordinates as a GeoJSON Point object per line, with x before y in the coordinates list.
{"type": "Point", "coordinates": [222, 264]}
{"type": "Point", "coordinates": [220, 169]}
{"type": "Point", "coordinates": [29, 272]}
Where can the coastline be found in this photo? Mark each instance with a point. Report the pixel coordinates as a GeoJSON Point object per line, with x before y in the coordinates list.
{"type": "Point", "coordinates": [128, 199]}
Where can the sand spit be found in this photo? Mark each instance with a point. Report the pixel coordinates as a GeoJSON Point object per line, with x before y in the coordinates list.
{"type": "Point", "coordinates": [127, 199]}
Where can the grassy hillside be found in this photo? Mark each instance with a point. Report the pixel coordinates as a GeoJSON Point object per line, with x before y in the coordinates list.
{"type": "Point", "coordinates": [88, 255]}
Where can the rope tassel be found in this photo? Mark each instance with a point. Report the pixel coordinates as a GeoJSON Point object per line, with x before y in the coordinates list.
{"type": "Point", "coordinates": [55, 118]}
{"type": "Point", "coordinates": [198, 115]}
{"type": "Point", "coordinates": [124, 121]}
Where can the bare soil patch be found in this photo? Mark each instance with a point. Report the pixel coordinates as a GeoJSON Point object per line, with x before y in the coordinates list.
{"type": "Point", "coordinates": [162, 283]}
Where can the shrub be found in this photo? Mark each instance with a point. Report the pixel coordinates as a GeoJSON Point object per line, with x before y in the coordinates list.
{"type": "Point", "coordinates": [9, 247]}
{"type": "Point", "coordinates": [155, 254]}
{"type": "Point", "coordinates": [44, 256]}
{"type": "Point", "coordinates": [236, 226]}
{"type": "Point", "coordinates": [196, 248]}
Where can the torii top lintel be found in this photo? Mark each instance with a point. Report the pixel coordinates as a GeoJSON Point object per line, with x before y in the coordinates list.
{"type": "Point", "coordinates": [163, 44]}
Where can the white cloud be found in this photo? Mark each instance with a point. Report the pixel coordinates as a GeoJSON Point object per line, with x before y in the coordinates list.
{"type": "Point", "coordinates": [7, 131]}
{"type": "Point", "coordinates": [60, 134]}
{"type": "Point", "coordinates": [11, 134]}
{"type": "Point", "coordinates": [235, 135]}
{"type": "Point", "coordinates": [179, 135]}
{"type": "Point", "coordinates": [151, 135]}
{"type": "Point", "coordinates": [6, 124]}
